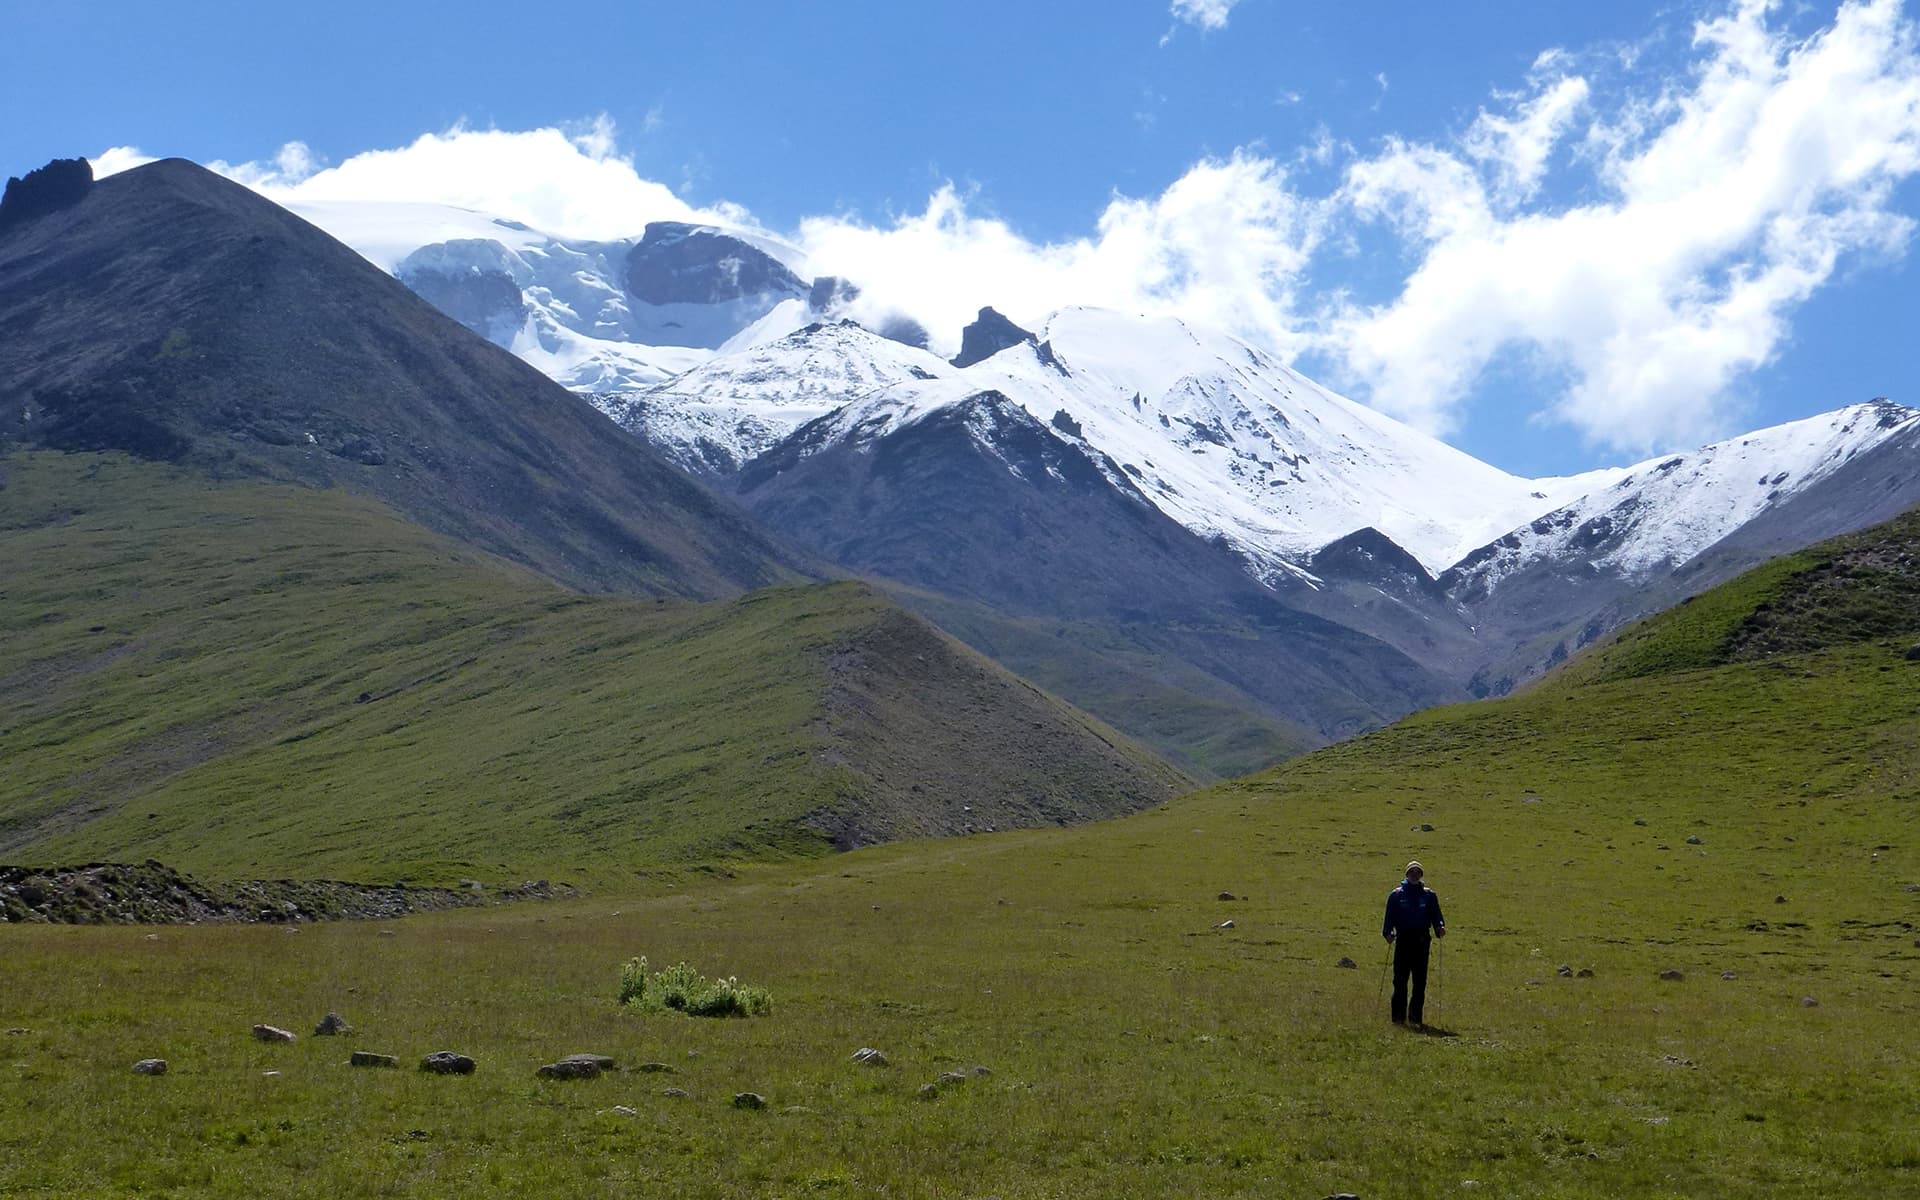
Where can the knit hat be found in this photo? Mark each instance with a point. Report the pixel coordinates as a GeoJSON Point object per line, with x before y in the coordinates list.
{"type": "Point", "coordinates": [1415, 866]}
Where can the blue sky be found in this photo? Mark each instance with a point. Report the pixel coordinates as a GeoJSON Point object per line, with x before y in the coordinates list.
{"type": "Point", "coordinates": [1559, 235]}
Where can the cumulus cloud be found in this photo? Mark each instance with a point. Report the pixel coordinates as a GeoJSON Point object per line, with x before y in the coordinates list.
{"type": "Point", "coordinates": [1727, 200]}
{"type": "Point", "coordinates": [570, 182]}
{"type": "Point", "coordinates": [1226, 243]}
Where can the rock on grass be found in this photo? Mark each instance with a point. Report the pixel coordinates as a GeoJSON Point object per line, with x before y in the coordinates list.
{"type": "Point", "coordinates": [446, 1062]}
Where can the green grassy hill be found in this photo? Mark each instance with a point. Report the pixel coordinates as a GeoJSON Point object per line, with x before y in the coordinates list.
{"type": "Point", "coordinates": [1748, 825]}
{"type": "Point", "coordinates": [247, 680]}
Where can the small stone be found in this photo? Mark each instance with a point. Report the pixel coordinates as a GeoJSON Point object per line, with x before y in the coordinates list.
{"type": "Point", "coordinates": [951, 1077]}
{"type": "Point", "coordinates": [332, 1025]}
{"type": "Point", "coordinates": [269, 1074]}
{"type": "Point", "coordinates": [1693, 839]}
{"type": "Point", "coordinates": [796, 1110]}
{"type": "Point", "coordinates": [367, 1058]}
{"type": "Point", "coordinates": [1228, 896]}
{"type": "Point", "coordinates": [654, 1068]}
{"type": "Point", "coordinates": [270, 1033]}
{"type": "Point", "coordinates": [1729, 974]}
{"type": "Point", "coordinates": [1425, 828]}
{"type": "Point", "coordinates": [1779, 899]}
{"type": "Point", "coordinates": [1226, 924]}
{"type": "Point", "coordinates": [1347, 964]}
{"type": "Point", "coordinates": [153, 937]}
{"type": "Point", "coordinates": [446, 1062]}
{"type": "Point", "coordinates": [929, 1091]}
{"type": "Point", "coordinates": [978, 1072]}
{"type": "Point", "coordinates": [1671, 975]}
{"type": "Point", "coordinates": [387, 933]}
{"type": "Point", "coordinates": [753, 1100]}
{"type": "Point", "coordinates": [1639, 821]}
{"type": "Point", "coordinates": [570, 1069]}
{"type": "Point", "coordinates": [676, 1093]}
{"type": "Point", "coordinates": [1809, 1002]}
{"type": "Point", "coordinates": [18, 1032]}
{"type": "Point", "coordinates": [619, 1110]}
{"type": "Point", "coordinates": [150, 1066]}
{"type": "Point", "coordinates": [1584, 973]}
{"type": "Point", "coordinates": [1564, 970]}
{"type": "Point", "coordinates": [1913, 653]}
{"type": "Point", "coordinates": [868, 1056]}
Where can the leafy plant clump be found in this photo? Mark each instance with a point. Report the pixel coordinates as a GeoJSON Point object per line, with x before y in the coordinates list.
{"type": "Point", "coordinates": [683, 989]}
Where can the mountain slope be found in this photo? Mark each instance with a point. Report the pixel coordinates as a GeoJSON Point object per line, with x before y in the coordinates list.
{"type": "Point", "coordinates": [1674, 526]}
{"type": "Point", "coordinates": [977, 505]}
{"type": "Point", "coordinates": [248, 679]}
{"type": "Point", "coordinates": [178, 316]}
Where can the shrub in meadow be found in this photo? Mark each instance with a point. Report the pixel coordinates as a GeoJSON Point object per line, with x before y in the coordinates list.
{"type": "Point", "coordinates": [680, 988]}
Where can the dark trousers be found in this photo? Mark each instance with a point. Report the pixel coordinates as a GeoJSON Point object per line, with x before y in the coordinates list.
{"type": "Point", "coordinates": [1410, 965]}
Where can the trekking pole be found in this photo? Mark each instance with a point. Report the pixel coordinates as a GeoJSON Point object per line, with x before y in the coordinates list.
{"type": "Point", "coordinates": [1385, 965]}
{"type": "Point", "coordinates": [1440, 982]}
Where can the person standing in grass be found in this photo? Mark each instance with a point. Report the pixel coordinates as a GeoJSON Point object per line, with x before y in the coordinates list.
{"type": "Point", "coordinates": [1413, 920]}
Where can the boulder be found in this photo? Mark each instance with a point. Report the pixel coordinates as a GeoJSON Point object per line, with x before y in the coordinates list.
{"type": "Point", "coordinates": [603, 1061]}
{"type": "Point", "coordinates": [577, 1068]}
{"type": "Point", "coordinates": [446, 1062]}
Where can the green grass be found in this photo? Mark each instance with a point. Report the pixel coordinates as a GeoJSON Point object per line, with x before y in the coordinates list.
{"type": "Point", "coordinates": [1135, 1049]}
{"type": "Point", "coordinates": [249, 680]}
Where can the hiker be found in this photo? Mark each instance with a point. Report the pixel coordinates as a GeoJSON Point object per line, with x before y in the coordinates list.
{"type": "Point", "coordinates": [1413, 910]}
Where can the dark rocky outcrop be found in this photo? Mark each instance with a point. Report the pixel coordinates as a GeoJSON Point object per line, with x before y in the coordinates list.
{"type": "Point", "coordinates": [678, 263]}
{"type": "Point", "coordinates": [155, 894]}
{"type": "Point", "coordinates": [62, 183]}
{"type": "Point", "coordinates": [988, 335]}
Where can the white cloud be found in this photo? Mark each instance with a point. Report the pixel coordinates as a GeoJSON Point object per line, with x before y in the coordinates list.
{"type": "Point", "coordinates": [1206, 14]}
{"type": "Point", "coordinates": [1226, 243]}
{"type": "Point", "coordinates": [1727, 200]}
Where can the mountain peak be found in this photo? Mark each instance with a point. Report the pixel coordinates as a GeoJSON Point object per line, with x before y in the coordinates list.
{"type": "Point", "coordinates": [988, 335]}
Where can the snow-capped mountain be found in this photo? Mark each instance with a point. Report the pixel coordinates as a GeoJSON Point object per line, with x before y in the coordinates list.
{"type": "Point", "coordinates": [595, 316]}
{"type": "Point", "coordinates": [1219, 435]}
{"type": "Point", "coordinates": [715, 417]}
{"type": "Point", "coordinates": [1660, 513]}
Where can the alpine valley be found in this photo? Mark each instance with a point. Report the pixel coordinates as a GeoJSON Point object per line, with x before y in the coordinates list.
{"type": "Point", "coordinates": [1155, 520]}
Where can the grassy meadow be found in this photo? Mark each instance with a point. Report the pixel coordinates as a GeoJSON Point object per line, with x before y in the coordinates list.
{"type": "Point", "coordinates": [1135, 1048]}
{"type": "Point", "coordinates": [247, 680]}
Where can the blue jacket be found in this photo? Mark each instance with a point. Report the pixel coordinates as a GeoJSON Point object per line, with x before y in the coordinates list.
{"type": "Point", "coordinates": [1412, 909]}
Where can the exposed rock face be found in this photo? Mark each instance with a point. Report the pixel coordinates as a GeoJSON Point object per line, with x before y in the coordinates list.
{"type": "Point", "coordinates": [488, 302]}
{"type": "Point", "coordinates": [62, 183]}
{"type": "Point", "coordinates": [677, 263]}
{"type": "Point", "coordinates": [989, 334]}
